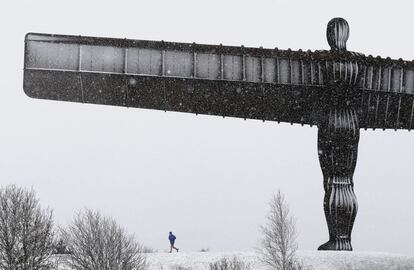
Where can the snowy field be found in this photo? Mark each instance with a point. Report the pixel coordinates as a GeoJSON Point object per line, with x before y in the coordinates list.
{"type": "Point", "coordinates": [316, 259]}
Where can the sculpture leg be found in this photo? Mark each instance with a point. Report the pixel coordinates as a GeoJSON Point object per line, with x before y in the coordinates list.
{"type": "Point", "coordinates": [338, 139]}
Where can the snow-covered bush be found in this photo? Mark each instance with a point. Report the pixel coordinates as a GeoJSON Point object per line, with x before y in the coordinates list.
{"type": "Point", "coordinates": [179, 267]}
{"type": "Point", "coordinates": [26, 230]}
{"type": "Point", "coordinates": [146, 249]}
{"type": "Point", "coordinates": [229, 264]}
{"type": "Point", "coordinates": [98, 242]}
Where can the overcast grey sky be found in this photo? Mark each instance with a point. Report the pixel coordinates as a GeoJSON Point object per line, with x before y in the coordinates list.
{"type": "Point", "coordinates": [206, 178]}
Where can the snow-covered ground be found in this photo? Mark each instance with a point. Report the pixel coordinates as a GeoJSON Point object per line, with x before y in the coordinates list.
{"type": "Point", "coordinates": [318, 260]}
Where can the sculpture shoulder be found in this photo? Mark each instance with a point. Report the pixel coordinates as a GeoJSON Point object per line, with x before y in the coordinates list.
{"type": "Point", "coordinates": [340, 54]}
{"type": "Point", "coordinates": [357, 54]}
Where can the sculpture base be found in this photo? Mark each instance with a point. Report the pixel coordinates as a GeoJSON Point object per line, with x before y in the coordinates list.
{"type": "Point", "coordinates": [337, 244]}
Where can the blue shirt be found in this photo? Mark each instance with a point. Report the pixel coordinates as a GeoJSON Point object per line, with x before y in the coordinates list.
{"type": "Point", "coordinates": [172, 238]}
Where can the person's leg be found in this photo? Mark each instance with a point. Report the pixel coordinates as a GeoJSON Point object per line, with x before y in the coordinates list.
{"type": "Point", "coordinates": [171, 247]}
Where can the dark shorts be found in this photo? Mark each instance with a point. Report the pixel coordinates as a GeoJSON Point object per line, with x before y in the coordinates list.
{"type": "Point", "coordinates": [172, 243]}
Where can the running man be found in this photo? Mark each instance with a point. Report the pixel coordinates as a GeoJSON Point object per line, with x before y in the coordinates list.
{"type": "Point", "coordinates": [172, 238]}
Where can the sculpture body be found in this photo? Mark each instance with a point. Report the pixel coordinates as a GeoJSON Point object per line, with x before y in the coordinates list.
{"type": "Point", "coordinates": [338, 138]}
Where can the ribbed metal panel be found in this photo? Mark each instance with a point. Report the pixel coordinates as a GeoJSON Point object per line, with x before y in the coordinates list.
{"type": "Point", "coordinates": [241, 82]}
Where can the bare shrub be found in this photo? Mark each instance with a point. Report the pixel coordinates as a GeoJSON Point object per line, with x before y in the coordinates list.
{"type": "Point", "coordinates": [349, 266]}
{"type": "Point", "coordinates": [60, 248]}
{"type": "Point", "coordinates": [179, 267]}
{"type": "Point", "coordinates": [98, 242]}
{"type": "Point", "coordinates": [278, 244]}
{"type": "Point", "coordinates": [26, 230]}
{"type": "Point", "coordinates": [229, 264]}
{"type": "Point", "coordinates": [146, 249]}
{"type": "Point", "coordinates": [204, 250]}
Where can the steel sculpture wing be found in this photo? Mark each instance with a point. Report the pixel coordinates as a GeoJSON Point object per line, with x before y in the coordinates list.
{"type": "Point", "coordinates": [253, 83]}
{"type": "Point", "coordinates": [387, 94]}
